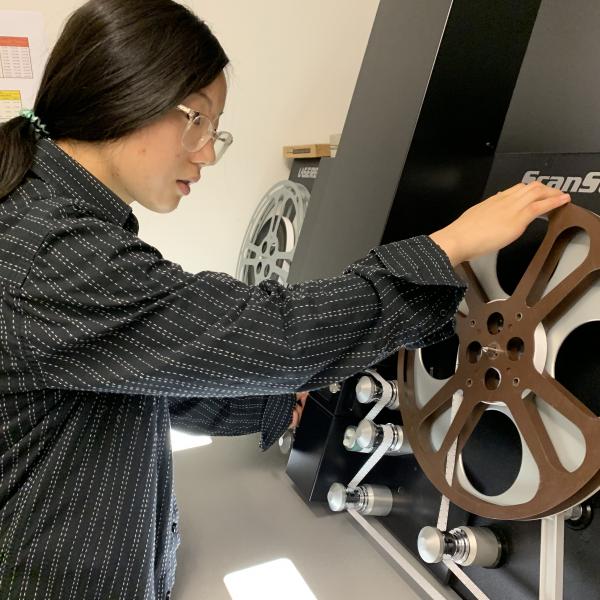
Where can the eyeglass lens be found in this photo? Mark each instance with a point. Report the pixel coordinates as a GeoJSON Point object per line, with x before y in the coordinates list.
{"type": "Point", "coordinates": [198, 133]}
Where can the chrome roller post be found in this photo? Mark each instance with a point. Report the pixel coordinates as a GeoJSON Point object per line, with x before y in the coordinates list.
{"type": "Point", "coordinates": [373, 500]}
{"type": "Point", "coordinates": [350, 440]}
{"type": "Point", "coordinates": [466, 546]}
{"type": "Point", "coordinates": [369, 390]}
{"type": "Point", "coordinates": [368, 436]}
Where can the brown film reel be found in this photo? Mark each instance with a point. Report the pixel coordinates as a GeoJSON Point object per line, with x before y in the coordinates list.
{"type": "Point", "coordinates": [504, 364]}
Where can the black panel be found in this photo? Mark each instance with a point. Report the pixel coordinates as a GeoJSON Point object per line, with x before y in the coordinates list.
{"type": "Point", "coordinates": [493, 453]}
{"type": "Point", "coordinates": [514, 259]}
{"type": "Point", "coordinates": [462, 116]}
{"type": "Point", "coordinates": [577, 364]}
{"type": "Point", "coordinates": [578, 174]}
{"type": "Point", "coordinates": [555, 104]}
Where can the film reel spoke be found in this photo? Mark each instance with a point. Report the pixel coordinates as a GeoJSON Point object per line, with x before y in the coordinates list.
{"type": "Point", "coordinates": [559, 398]}
{"type": "Point", "coordinates": [281, 273]}
{"type": "Point", "coordinates": [439, 401]}
{"type": "Point", "coordinates": [274, 222]}
{"type": "Point", "coordinates": [551, 306]}
{"type": "Point", "coordinates": [532, 428]}
{"type": "Point", "coordinates": [285, 256]}
{"type": "Point", "coordinates": [542, 265]}
{"type": "Point", "coordinates": [461, 427]}
{"type": "Point", "coordinates": [253, 248]}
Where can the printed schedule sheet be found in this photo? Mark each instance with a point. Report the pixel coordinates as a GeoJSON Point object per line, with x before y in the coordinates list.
{"type": "Point", "coordinates": [22, 54]}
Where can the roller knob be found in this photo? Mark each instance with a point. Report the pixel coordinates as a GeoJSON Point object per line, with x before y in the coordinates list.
{"type": "Point", "coordinates": [366, 434]}
{"type": "Point", "coordinates": [465, 546]}
{"type": "Point", "coordinates": [375, 500]}
{"type": "Point", "coordinates": [431, 545]}
{"type": "Point", "coordinates": [336, 497]}
{"type": "Point", "coordinates": [366, 390]}
{"type": "Point", "coordinates": [350, 439]}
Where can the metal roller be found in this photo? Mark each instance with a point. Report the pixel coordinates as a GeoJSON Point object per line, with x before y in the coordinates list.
{"type": "Point", "coordinates": [466, 546]}
{"type": "Point", "coordinates": [373, 500]}
{"type": "Point", "coordinates": [369, 390]}
{"type": "Point", "coordinates": [367, 437]}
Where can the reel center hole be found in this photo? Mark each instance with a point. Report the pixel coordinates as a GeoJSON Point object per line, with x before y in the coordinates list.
{"type": "Point", "coordinates": [474, 352]}
{"type": "Point", "coordinates": [492, 379]}
{"type": "Point", "coordinates": [515, 348]}
{"type": "Point", "coordinates": [495, 323]}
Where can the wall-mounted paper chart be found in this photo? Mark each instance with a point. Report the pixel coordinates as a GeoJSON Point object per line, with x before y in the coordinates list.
{"type": "Point", "coordinates": [10, 104]}
{"type": "Point", "coordinates": [23, 51]}
{"type": "Point", "coordinates": [15, 58]}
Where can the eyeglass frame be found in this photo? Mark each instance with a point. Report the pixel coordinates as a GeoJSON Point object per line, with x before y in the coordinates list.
{"type": "Point", "coordinates": [223, 136]}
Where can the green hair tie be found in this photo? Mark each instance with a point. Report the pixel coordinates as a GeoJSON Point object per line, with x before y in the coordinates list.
{"type": "Point", "coordinates": [39, 127]}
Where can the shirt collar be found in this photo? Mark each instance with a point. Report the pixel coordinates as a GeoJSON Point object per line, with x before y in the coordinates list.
{"type": "Point", "coordinates": [59, 170]}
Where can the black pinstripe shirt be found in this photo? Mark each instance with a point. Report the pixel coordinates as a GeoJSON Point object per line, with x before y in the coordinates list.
{"type": "Point", "coordinates": [105, 345]}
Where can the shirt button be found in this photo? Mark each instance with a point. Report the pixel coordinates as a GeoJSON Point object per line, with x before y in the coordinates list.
{"type": "Point", "coordinates": [174, 527]}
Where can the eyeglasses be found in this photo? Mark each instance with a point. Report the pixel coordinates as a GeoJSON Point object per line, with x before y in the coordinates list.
{"type": "Point", "coordinates": [200, 130]}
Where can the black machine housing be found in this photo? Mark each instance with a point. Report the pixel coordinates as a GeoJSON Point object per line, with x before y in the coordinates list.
{"type": "Point", "coordinates": [455, 101]}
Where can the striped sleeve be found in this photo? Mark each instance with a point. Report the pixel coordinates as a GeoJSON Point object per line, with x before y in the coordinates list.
{"type": "Point", "coordinates": [269, 415]}
{"type": "Point", "coordinates": [425, 263]}
{"type": "Point", "coordinates": [101, 310]}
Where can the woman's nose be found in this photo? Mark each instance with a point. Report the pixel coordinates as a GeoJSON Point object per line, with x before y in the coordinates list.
{"type": "Point", "coordinates": [206, 154]}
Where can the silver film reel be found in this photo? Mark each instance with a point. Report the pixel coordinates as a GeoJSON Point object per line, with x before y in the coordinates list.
{"type": "Point", "coordinates": [272, 235]}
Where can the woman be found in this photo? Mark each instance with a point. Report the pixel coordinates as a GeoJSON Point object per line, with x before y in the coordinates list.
{"type": "Point", "coordinates": [105, 344]}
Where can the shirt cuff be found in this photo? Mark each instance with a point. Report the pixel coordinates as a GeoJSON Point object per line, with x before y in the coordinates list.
{"type": "Point", "coordinates": [277, 416]}
{"type": "Point", "coordinates": [419, 260]}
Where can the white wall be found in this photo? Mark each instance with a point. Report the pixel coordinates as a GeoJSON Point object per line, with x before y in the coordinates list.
{"type": "Point", "coordinates": [294, 67]}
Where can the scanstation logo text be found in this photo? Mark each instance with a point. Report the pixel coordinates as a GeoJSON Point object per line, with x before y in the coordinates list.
{"type": "Point", "coordinates": [583, 185]}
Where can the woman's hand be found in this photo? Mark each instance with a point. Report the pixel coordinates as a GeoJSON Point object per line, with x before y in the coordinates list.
{"type": "Point", "coordinates": [497, 221]}
{"type": "Point", "coordinates": [297, 413]}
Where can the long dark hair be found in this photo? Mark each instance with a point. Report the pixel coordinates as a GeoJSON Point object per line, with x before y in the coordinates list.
{"type": "Point", "coordinates": [118, 65]}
